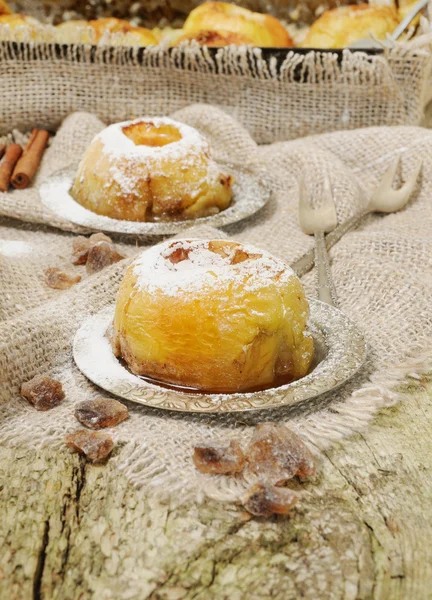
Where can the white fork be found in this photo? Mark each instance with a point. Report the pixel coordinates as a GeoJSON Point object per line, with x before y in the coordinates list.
{"type": "Point", "coordinates": [384, 199]}
{"type": "Point", "coordinates": [317, 222]}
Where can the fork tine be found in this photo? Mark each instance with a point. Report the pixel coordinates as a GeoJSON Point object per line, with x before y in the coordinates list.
{"type": "Point", "coordinates": [302, 191]}
{"type": "Point", "coordinates": [385, 198]}
{"type": "Point", "coordinates": [389, 176]}
{"type": "Point", "coordinates": [327, 191]}
{"type": "Point", "coordinates": [322, 218]}
{"type": "Point", "coordinates": [305, 208]}
{"type": "Point", "coordinates": [386, 183]}
{"type": "Point", "coordinates": [329, 215]}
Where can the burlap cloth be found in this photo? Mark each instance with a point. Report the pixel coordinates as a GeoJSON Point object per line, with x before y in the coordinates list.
{"type": "Point", "coordinates": [276, 98]}
{"type": "Point", "coordinates": [382, 274]}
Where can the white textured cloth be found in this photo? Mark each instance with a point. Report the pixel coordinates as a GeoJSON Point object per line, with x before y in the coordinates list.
{"type": "Point", "coordinates": [382, 272]}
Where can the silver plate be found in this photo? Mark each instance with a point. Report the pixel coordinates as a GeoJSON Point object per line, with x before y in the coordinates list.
{"type": "Point", "coordinates": [249, 195]}
{"type": "Point", "coordinates": [340, 350]}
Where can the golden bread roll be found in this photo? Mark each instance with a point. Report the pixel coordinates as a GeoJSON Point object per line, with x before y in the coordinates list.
{"type": "Point", "coordinates": [4, 8]}
{"type": "Point", "coordinates": [119, 32]}
{"type": "Point", "coordinates": [151, 169]}
{"type": "Point", "coordinates": [214, 315]}
{"type": "Point", "coordinates": [261, 30]}
{"type": "Point", "coordinates": [340, 27]}
{"type": "Point", "coordinates": [17, 23]}
{"type": "Point", "coordinates": [216, 39]}
{"type": "Point", "coordinates": [167, 35]}
{"type": "Point", "coordinates": [74, 32]}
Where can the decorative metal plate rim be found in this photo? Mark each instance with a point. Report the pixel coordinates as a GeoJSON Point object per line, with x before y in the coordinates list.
{"type": "Point", "coordinates": [345, 353]}
{"type": "Point", "coordinates": [250, 194]}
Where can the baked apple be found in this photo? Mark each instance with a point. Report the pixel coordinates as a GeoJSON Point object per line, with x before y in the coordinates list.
{"type": "Point", "coordinates": [151, 169]}
{"type": "Point", "coordinates": [216, 316]}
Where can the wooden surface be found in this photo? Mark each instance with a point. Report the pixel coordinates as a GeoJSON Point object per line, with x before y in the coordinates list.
{"type": "Point", "coordinates": [73, 531]}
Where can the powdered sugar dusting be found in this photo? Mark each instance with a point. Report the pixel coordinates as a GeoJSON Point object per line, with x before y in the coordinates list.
{"type": "Point", "coordinates": [204, 267]}
{"type": "Point", "coordinates": [131, 163]}
{"type": "Point", "coordinates": [249, 195]}
{"type": "Point", "coordinates": [117, 144]}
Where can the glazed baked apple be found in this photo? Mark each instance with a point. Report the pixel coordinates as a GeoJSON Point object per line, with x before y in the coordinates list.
{"type": "Point", "coordinates": [216, 316]}
{"type": "Point", "coordinates": [151, 169]}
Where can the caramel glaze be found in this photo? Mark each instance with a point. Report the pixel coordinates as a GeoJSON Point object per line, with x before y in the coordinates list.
{"type": "Point", "coordinates": [278, 381]}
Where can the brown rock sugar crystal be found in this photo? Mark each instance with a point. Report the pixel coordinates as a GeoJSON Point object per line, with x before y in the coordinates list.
{"type": "Point", "coordinates": [219, 458]}
{"type": "Point", "coordinates": [43, 392]}
{"type": "Point", "coordinates": [277, 454]}
{"type": "Point", "coordinates": [81, 246]}
{"type": "Point", "coordinates": [99, 237]}
{"type": "Point", "coordinates": [95, 445]}
{"type": "Point", "coordinates": [102, 412]}
{"type": "Point", "coordinates": [59, 280]}
{"type": "Point", "coordinates": [264, 499]}
{"type": "Point", "coordinates": [101, 255]}
{"type": "Point", "coordinates": [80, 249]}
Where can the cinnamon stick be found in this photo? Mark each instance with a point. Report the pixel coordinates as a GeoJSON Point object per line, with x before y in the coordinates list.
{"type": "Point", "coordinates": [7, 165]}
{"type": "Point", "coordinates": [2, 150]}
{"type": "Point", "coordinates": [29, 162]}
{"type": "Point", "coordinates": [30, 140]}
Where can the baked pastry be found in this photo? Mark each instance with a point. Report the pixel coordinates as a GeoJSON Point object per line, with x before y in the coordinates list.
{"type": "Point", "coordinates": [151, 169]}
{"type": "Point", "coordinates": [168, 36]}
{"type": "Point", "coordinates": [117, 31]}
{"type": "Point", "coordinates": [214, 315]}
{"type": "Point", "coordinates": [17, 23]}
{"type": "Point", "coordinates": [340, 27]}
{"type": "Point", "coordinates": [5, 8]}
{"type": "Point", "coordinates": [215, 39]}
{"type": "Point", "coordinates": [222, 19]}
{"type": "Point", "coordinates": [173, 37]}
